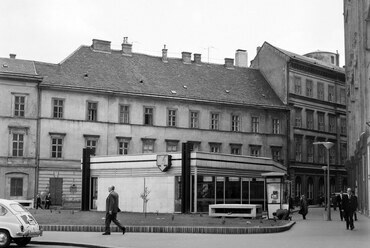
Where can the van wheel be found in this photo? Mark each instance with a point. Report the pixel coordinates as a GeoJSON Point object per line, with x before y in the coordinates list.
{"type": "Point", "coordinates": [4, 238]}
{"type": "Point", "coordinates": [22, 241]}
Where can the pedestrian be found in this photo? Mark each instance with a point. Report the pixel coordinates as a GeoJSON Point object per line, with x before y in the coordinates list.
{"type": "Point", "coordinates": [111, 209]}
{"type": "Point", "coordinates": [339, 203]}
{"type": "Point", "coordinates": [334, 201]}
{"type": "Point", "coordinates": [303, 206]}
{"type": "Point", "coordinates": [38, 201]}
{"type": "Point", "coordinates": [349, 203]}
{"type": "Point", "coordinates": [48, 201]}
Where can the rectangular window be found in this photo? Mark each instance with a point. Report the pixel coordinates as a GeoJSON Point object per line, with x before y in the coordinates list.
{"type": "Point", "coordinates": [58, 107]}
{"type": "Point", "coordinates": [310, 150]}
{"type": "Point", "coordinates": [92, 111]}
{"type": "Point", "coordinates": [276, 154]}
{"type": "Point", "coordinates": [18, 145]}
{"type": "Point", "coordinates": [16, 186]}
{"type": "Point", "coordinates": [298, 117]}
{"type": "Point", "coordinates": [331, 93]}
{"type": "Point", "coordinates": [148, 116]}
{"type": "Point", "coordinates": [56, 147]}
{"type": "Point", "coordinates": [297, 86]}
{"type": "Point", "coordinates": [298, 148]}
{"type": "Point", "coordinates": [19, 106]}
{"type": "Point", "coordinates": [194, 119]}
{"type": "Point", "coordinates": [124, 114]}
{"type": "Point", "coordinates": [255, 124]}
{"type": "Point", "coordinates": [320, 91]}
{"type": "Point", "coordinates": [343, 126]}
{"type": "Point", "coordinates": [123, 145]}
{"type": "Point", "coordinates": [171, 118]}
{"type": "Point", "coordinates": [309, 88]}
{"type": "Point", "coordinates": [321, 121]}
{"type": "Point", "coordinates": [309, 119]}
{"type": "Point", "coordinates": [255, 150]}
{"type": "Point", "coordinates": [332, 124]}
{"type": "Point", "coordinates": [332, 155]}
{"type": "Point", "coordinates": [148, 145]}
{"type": "Point", "coordinates": [321, 155]}
{"type": "Point", "coordinates": [215, 147]}
{"type": "Point", "coordinates": [275, 126]}
{"type": "Point", "coordinates": [343, 99]}
{"type": "Point", "coordinates": [343, 153]}
{"type": "Point", "coordinates": [215, 121]}
{"type": "Point", "coordinates": [92, 144]}
{"type": "Point", "coordinates": [236, 149]}
{"type": "Point", "coordinates": [235, 123]}
{"type": "Point", "coordinates": [194, 146]}
{"type": "Point", "coordinates": [172, 145]}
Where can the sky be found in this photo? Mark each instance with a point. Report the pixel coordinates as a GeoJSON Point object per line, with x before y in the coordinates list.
{"type": "Point", "coordinates": [51, 30]}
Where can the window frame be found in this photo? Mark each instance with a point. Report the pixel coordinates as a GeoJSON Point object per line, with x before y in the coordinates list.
{"type": "Point", "coordinates": [255, 150]}
{"type": "Point", "coordinates": [297, 85]}
{"type": "Point", "coordinates": [123, 145]}
{"type": "Point", "coordinates": [255, 124]}
{"type": "Point", "coordinates": [215, 121]}
{"type": "Point", "coordinates": [235, 123]}
{"type": "Point", "coordinates": [321, 125]}
{"type": "Point", "coordinates": [276, 127]}
{"type": "Point", "coordinates": [92, 113]}
{"type": "Point", "coordinates": [331, 93]}
{"type": "Point", "coordinates": [92, 138]}
{"type": "Point", "coordinates": [17, 110]}
{"type": "Point", "coordinates": [148, 119]}
{"type": "Point", "coordinates": [171, 117]}
{"type": "Point", "coordinates": [310, 121]}
{"type": "Point", "coordinates": [194, 120]}
{"type": "Point", "coordinates": [320, 91]}
{"type": "Point", "coordinates": [214, 147]}
{"type": "Point", "coordinates": [309, 88]}
{"type": "Point", "coordinates": [298, 117]}
{"type": "Point", "coordinates": [58, 136]}
{"type": "Point", "coordinates": [16, 187]}
{"type": "Point", "coordinates": [236, 147]}
{"type": "Point", "coordinates": [147, 143]}
{"type": "Point", "coordinates": [57, 110]}
{"type": "Point", "coordinates": [124, 114]}
{"type": "Point", "coordinates": [170, 144]}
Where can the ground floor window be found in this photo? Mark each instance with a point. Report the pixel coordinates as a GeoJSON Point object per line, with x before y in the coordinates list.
{"type": "Point", "coordinates": [16, 186]}
{"type": "Point", "coordinates": [228, 190]}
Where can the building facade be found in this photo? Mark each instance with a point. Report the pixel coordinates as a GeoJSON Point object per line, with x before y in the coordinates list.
{"type": "Point", "coordinates": [315, 93]}
{"type": "Point", "coordinates": [118, 102]}
{"type": "Point", "coordinates": [357, 44]}
{"type": "Point", "coordinates": [19, 91]}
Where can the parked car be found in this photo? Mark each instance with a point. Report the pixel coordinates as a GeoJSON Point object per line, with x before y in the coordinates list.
{"type": "Point", "coordinates": [16, 224]}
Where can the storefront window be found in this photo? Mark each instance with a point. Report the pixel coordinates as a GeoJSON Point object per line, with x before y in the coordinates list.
{"type": "Point", "coordinates": [220, 190]}
{"type": "Point", "coordinates": [206, 192]}
{"type": "Point", "coordinates": [232, 190]}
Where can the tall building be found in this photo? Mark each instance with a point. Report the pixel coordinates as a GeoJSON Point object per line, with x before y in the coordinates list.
{"type": "Point", "coordinates": [315, 92]}
{"type": "Point", "coordinates": [357, 45]}
{"type": "Point", "coordinates": [121, 102]}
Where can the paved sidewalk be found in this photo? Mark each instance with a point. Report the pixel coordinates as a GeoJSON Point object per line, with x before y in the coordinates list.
{"type": "Point", "coordinates": [313, 232]}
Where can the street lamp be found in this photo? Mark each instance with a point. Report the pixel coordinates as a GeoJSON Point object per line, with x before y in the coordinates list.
{"type": "Point", "coordinates": [327, 145]}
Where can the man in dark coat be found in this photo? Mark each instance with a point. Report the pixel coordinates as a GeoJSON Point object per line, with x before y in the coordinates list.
{"type": "Point", "coordinates": [339, 203]}
{"type": "Point", "coordinates": [349, 204]}
{"type": "Point", "coordinates": [111, 208]}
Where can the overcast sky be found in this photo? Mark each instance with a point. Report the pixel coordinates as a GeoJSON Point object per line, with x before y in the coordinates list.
{"type": "Point", "coordinates": [50, 30]}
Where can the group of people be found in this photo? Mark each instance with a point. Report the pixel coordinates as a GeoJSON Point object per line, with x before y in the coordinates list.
{"type": "Point", "coordinates": [47, 201]}
{"type": "Point", "coordinates": [347, 204]}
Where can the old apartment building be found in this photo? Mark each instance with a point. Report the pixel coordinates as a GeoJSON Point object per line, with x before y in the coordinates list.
{"type": "Point", "coordinates": [121, 102]}
{"type": "Point", "coordinates": [313, 87]}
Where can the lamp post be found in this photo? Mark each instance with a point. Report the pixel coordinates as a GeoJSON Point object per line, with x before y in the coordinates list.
{"type": "Point", "coordinates": [327, 145]}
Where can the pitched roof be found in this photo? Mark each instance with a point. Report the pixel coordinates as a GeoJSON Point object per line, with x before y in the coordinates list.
{"type": "Point", "coordinates": [17, 66]}
{"type": "Point", "coordinates": [141, 74]}
{"type": "Point", "coordinates": [308, 60]}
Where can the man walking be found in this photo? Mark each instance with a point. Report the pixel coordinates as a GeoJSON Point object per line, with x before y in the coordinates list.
{"type": "Point", "coordinates": [349, 203]}
{"type": "Point", "coordinates": [112, 209]}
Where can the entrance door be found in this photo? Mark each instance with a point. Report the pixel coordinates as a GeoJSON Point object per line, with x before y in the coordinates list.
{"type": "Point", "coordinates": [56, 190]}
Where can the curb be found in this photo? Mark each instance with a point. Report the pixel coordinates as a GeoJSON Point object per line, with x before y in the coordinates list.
{"type": "Point", "coordinates": [172, 229]}
{"type": "Point", "coordinates": [68, 244]}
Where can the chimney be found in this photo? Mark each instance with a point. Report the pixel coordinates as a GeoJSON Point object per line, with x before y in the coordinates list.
{"type": "Point", "coordinates": [186, 57]}
{"type": "Point", "coordinates": [197, 58]}
{"type": "Point", "coordinates": [126, 47]}
{"type": "Point", "coordinates": [241, 58]}
{"type": "Point", "coordinates": [12, 55]}
{"type": "Point", "coordinates": [229, 63]}
{"type": "Point", "coordinates": [164, 54]}
{"type": "Point", "coordinates": [101, 45]}
{"type": "Point", "coordinates": [337, 59]}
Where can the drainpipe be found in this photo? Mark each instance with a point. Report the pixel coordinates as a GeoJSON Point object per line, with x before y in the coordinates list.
{"type": "Point", "coordinates": [38, 128]}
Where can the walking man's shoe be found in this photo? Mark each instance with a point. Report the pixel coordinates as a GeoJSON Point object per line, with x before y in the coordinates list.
{"type": "Point", "coordinates": [123, 230]}
{"type": "Point", "coordinates": [352, 227]}
{"type": "Point", "coordinates": [106, 233]}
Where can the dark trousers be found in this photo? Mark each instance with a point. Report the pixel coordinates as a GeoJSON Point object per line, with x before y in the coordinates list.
{"type": "Point", "coordinates": [108, 219]}
{"type": "Point", "coordinates": [341, 213]}
{"type": "Point", "coordinates": [349, 219]}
